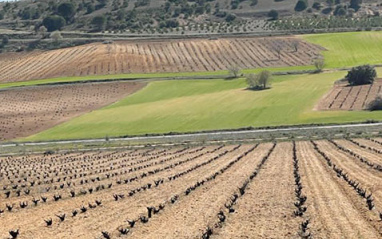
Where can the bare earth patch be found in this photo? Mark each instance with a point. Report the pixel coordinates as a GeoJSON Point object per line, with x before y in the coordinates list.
{"type": "Point", "coordinates": [344, 97]}
{"type": "Point", "coordinates": [157, 56]}
{"type": "Point", "coordinates": [28, 110]}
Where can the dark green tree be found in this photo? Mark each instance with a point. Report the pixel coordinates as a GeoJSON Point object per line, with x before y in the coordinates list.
{"type": "Point", "coordinates": [53, 23]}
{"type": "Point", "coordinates": [99, 22]}
{"type": "Point", "coordinates": [355, 4]}
{"type": "Point", "coordinates": [67, 10]}
{"type": "Point", "coordinates": [361, 75]}
{"type": "Point", "coordinates": [301, 5]}
{"type": "Point", "coordinates": [273, 14]}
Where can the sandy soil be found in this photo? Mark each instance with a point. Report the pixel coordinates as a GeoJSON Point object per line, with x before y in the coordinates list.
{"type": "Point", "coordinates": [28, 110]}
{"type": "Point", "coordinates": [157, 56]}
{"type": "Point", "coordinates": [266, 210]}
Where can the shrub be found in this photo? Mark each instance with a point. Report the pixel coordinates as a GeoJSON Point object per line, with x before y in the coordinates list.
{"type": "Point", "coordinates": [319, 64]}
{"type": "Point", "coordinates": [361, 75]}
{"type": "Point", "coordinates": [54, 23]}
{"type": "Point", "coordinates": [376, 104]}
{"type": "Point", "coordinates": [234, 71]}
{"type": "Point", "coordinates": [301, 5]}
{"type": "Point", "coordinates": [273, 14]}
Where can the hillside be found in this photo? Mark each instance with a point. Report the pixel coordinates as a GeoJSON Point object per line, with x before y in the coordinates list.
{"type": "Point", "coordinates": [168, 16]}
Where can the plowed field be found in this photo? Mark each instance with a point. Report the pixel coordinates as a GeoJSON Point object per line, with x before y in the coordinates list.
{"type": "Point", "coordinates": [157, 56]}
{"type": "Point", "coordinates": [311, 189]}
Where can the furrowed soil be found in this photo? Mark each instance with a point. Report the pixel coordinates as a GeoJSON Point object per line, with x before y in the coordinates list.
{"type": "Point", "coordinates": [344, 97]}
{"type": "Point", "coordinates": [187, 188]}
{"type": "Point", "coordinates": [158, 56]}
{"type": "Point", "coordinates": [29, 110]}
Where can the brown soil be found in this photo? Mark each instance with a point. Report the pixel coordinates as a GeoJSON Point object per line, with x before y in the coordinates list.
{"type": "Point", "coordinates": [266, 210]}
{"type": "Point", "coordinates": [156, 56]}
{"type": "Point", "coordinates": [344, 97]}
{"type": "Point", "coordinates": [28, 110]}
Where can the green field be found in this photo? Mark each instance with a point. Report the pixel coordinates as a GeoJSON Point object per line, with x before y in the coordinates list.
{"type": "Point", "coordinates": [185, 106]}
{"type": "Point", "coordinates": [147, 76]}
{"type": "Point", "coordinates": [349, 49]}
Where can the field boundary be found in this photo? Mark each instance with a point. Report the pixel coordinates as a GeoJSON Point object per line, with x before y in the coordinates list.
{"type": "Point", "coordinates": [285, 133]}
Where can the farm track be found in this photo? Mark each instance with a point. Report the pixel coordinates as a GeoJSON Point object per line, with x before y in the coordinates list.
{"type": "Point", "coordinates": [267, 203]}
{"type": "Point", "coordinates": [332, 213]}
{"type": "Point", "coordinates": [156, 56]}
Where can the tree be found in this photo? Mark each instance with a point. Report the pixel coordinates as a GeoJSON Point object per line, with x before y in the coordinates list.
{"type": "Point", "coordinates": [56, 36]}
{"type": "Point", "coordinates": [319, 64]}
{"type": "Point", "coordinates": [53, 23]}
{"type": "Point", "coordinates": [67, 10]}
{"type": "Point", "coordinates": [301, 5]}
{"type": "Point", "coordinates": [41, 31]}
{"type": "Point", "coordinates": [260, 81]}
{"type": "Point", "coordinates": [375, 104]}
{"type": "Point", "coordinates": [278, 50]}
{"type": "Point", "coordinates": [355, 4]}
{"type": "Point", "coordinates": [234, 71]}
{"type": "Point", "coordinates": [295, 45]}
{"type": "Point", "coordinates": [5, 40]}
{"type": "Point", "coordinates": [273, 14]}
{"type": "Point", "coordinates": [99, 22]}
{"type": "Point", "coordinates": [361, 75]}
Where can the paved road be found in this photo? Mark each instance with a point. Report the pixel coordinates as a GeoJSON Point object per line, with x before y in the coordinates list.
{"type": "Point", "coordinates": [198, 135]}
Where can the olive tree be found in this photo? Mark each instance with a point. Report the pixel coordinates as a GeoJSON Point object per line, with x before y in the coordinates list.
{"type": "Point", "coordinates": [361, 75]}
{"type": "Point", "coordinates": [234, 71]}
{"type": "Point", "coordinates": [319, 64]}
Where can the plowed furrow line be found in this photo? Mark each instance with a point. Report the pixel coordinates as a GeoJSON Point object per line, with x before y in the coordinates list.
{"type": "Point", "coordinates": [333, 213]}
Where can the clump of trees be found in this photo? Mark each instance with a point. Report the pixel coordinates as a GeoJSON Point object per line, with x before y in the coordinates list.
{"type": "Point", "coordinates": [259, 81]}
{"type": "Point", "coordinates": [361, 75]}
{"type": "Point", "coordinates": [376, 104]}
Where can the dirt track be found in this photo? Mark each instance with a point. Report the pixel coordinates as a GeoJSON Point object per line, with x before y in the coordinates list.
{"type": "Point", "coordinates": [157, 56]}
{"type": "Point", "coordinates": [25, 111]}
{"type": "Point", "coordinates": [190, 186]}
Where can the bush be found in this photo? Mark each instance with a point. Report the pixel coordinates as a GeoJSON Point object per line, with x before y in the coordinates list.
{"type": "Point", "coordinates": [319, 64]}
{"type": "Point", "coordinates": [54, 23]}
{"type": "Point", "coordinates": [273, 14]}
{"type": "Point", "coordinates": [301, 5]}
{"type": "Point", "coordinates": [376, 104]}
{"type": "Point", "coordinates": [361, 75]}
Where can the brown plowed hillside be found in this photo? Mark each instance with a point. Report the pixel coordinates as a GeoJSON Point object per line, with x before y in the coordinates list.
{"type": "Point", "coordinates": [29, 110]}
{"type": "Point", "coordinates": [157, 56]}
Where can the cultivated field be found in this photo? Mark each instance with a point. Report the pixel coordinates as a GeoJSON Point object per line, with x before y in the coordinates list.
{"type": "Point", "coordinates": [344, 97]}
{"type": "Point", "coordinates": [195, 105]}
{"type": "Point", "coordinates": [316, 189]}
{"type": "Point", "coordinates": [155, 57]}
{"type": "Point", "coordinates": [28, 110]}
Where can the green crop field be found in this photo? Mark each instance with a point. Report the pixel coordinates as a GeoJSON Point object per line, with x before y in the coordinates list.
{"type": "Point", "coordinates": [182, 106]}
{"type": "Point", "coordinates": [349, 49]}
